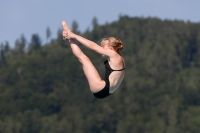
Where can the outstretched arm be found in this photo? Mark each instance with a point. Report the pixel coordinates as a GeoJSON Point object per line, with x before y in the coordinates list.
{"type": "Point", "coordinates": [88, 43]}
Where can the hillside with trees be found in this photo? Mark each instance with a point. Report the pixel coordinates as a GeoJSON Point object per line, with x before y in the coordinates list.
{"type": "Point", "coordinates": [43, 88]}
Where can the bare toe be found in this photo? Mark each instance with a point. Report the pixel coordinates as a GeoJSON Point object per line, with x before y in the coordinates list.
{"type": "Point", "coordinates": [65, 26]}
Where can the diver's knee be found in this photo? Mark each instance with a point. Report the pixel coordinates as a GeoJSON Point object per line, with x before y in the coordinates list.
{"type": "Point", "coordinates": [83, 58]}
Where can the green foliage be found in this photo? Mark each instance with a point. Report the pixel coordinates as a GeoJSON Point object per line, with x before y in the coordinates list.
{"type": "Point", "coordinates": [43, 89]}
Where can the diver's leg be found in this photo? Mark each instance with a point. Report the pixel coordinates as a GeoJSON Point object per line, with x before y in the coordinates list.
{"type": "Point", "coordinates": [95, 82]}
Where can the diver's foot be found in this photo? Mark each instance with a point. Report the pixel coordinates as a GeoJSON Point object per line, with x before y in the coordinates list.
{"type": "Point", "coordinates": [65, 26]}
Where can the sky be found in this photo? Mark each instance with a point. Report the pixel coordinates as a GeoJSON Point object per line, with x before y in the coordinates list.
{"type": "Point", "coordinates": [28, 17]}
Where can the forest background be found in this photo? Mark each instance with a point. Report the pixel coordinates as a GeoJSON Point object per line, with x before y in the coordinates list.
{"type": "Point", "coordinates": [43, 88]}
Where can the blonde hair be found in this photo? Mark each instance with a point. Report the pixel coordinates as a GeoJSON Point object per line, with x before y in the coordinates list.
{"type": "Point", "coordinates": [114, 42]}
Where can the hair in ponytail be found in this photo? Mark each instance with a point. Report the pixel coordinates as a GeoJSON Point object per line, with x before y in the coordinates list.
{"type": "Point", "coordinates": [114, 42]}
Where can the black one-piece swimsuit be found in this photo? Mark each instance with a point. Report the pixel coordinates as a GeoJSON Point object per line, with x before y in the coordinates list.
{"type": "Point", "coordinates": [105, 91]}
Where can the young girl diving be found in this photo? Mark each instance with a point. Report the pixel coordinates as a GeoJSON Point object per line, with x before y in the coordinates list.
{"type": "Point", "coordinates": [114, 65]}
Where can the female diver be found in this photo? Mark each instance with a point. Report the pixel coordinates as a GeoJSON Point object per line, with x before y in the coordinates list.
{"type": "Point", "coordinates": [114, 65]}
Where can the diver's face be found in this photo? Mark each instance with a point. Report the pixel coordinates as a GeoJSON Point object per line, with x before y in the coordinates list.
{"type": "Point", "coordinates": [105, 46]}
